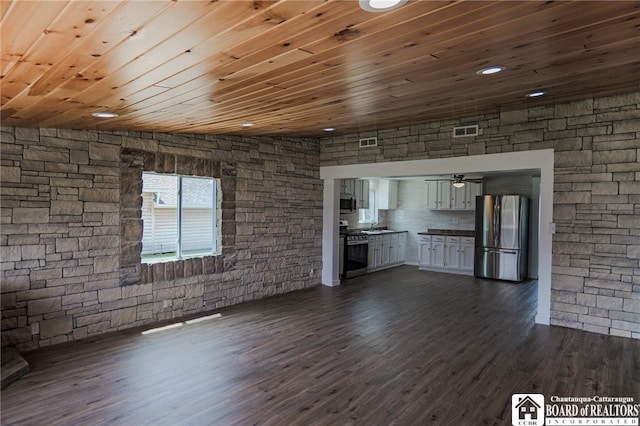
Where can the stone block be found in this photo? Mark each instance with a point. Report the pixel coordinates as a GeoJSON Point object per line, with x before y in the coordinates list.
{"type": "Point", "coordinates": [631, 305]}
{"type": "Point", "coordinates": [573, 158]}
{"type": "Point", "coordinates": [43, 306]}
{"type": "Point", "coordinates": [586, 299]}
{"type": "Point", "coordinates": [567, 283]}
{"type": "Point", "coordinates": [572, 248]}
{"type": "Point", "coordinates": [103, 152]}
{"type": "Point", "coordinates": [604, 188]}
{"type": "Point", "coordinates": [30, 215]}
{"type": "Point", "coordinates": [33, 252]}
{"type": "Point", "coordinates": [105, 264]}
{"type": "Point", "coordinates": [614, 156]}
{"type": "Point", "coordinates": [15, 283]}
{"type": "Point", "coordinates": [630, 187]}
{"type": "Point", "coordinates": [99, 195]}
{"type": "Point", "coordinates": [626, 325]}
{"type": "Point", "coordinates": [572, 197]}
{"type": "Point", "coordinates": [55, 327]}
{"type": "Point", "coordinates": [123, 316]}
{"type": "Point", "coordinates": [615, 101]}
{"type": "Point", "coordinates": [626, 126]}
{"type": "Point", "coordinates": [99, 242]}
{"type": "Point", "coordinates": [633, 251]}
{"type": "Point", "coordinates": [607, 284]}
{"type": "Point", "coordinates": [629, 221]}
{"type": "Point", "coordinates": [109, 294]}
{"type": "Point", "coordinates": [611, 303]}
{"type": "Point", "coordinates": [590, 319]}
{"type": "Point", "coordinates": [66, 207]}
{"type": "Point", "coordinates": [10, 253]}
{"type": "Point", "coordinates": [9, 174]}
{"type": "Point", "coordinates": [595, 328]}
{"type": "Point", "coordinates": [573, 109]}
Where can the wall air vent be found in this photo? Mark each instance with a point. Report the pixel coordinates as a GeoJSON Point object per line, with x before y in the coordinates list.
{"type": "Point", "coordinates": [464, 131]}
{"type": "Point", "coordinates": [368, 142]}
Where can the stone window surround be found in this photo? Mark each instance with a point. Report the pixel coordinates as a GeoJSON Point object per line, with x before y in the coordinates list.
{"type": "Point", "coordinates": [133, 163]}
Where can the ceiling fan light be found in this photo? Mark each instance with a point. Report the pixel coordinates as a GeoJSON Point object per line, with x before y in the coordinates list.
{"type": "Point", "coordinates": [458, 184]}
{"type": "Point", "coordinates": [381, 5]}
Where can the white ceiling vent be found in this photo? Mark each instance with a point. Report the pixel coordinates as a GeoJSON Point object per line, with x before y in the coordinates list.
{"type": "Point", "coordinates": [464, 131]}
{"type": "Point", "coordinates": [368, 142]}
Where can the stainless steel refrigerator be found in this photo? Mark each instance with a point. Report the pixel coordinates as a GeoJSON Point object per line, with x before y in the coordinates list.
{"type": "Point", "coordinates": [502, 229]}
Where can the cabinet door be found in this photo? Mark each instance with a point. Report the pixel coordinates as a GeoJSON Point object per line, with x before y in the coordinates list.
{"type": "Point", "coordinates": [444, 194]}
{"type": "Point", "coordinates": [371, 260]}
{"type": "Point", "coordinates": [431, 194]}
{"type": "Point", "coordinates": [378, 253]}
{"type": "Point", "coordinates": [402, 247]}
{"type": "Point", "coordinates": [348, 187]}
{"type": "Point", "coordinates": [387, 194]}
{"type": "Point", "coordinates": [393, 248]}
{"type": "Point", "coordinates": [466, 254]}
{"type": "Point", "coordinates": [459, 197]}
{"type": "Point", "coordinates": [362, 189]}
{"type": "Point", "coordinates": [386, 250]}
{"type": "Point", "coordinates": [452, 247]}
{"type": "Point", "coordinates": [472, 191]}
{"type": "Point", "coordinates": [437, 252]}
{"type": "Point", "coordinates": [424, 251]}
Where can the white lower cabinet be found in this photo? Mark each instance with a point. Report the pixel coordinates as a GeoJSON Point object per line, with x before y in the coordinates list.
{"type": "Point", "coordinates": [447, 254]}
{"type": "Point", "coordinates": [387, 250]}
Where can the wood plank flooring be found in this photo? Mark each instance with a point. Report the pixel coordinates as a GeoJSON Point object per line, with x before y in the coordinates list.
{"type": "Point", "coordinates": [397, 347]}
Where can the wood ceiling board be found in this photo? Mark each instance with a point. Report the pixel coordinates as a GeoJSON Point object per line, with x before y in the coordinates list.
{"type": "Point", "coordinates": [341, 65]}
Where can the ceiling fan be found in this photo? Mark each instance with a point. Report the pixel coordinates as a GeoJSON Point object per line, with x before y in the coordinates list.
{"type": "Point", "coordinates": [457, 181]}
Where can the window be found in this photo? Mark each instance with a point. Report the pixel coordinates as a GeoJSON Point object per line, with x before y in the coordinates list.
{"type": "Point", "coordinates": [179, 215]}
{"type": "Point", "coordinates": [369, 215]}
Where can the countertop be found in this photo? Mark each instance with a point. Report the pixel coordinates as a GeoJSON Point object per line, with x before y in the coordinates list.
{"type": "Point", "coordinates": [373, 232]}
{"type": "Point", "coordinates": [452, 232]}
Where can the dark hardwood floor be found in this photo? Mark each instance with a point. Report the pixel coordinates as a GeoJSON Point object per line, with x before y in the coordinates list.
{"type": "Point", "coordinates": [399, 347]}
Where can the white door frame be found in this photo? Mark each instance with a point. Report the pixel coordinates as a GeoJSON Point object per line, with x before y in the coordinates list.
{"type": "Point", "coordinates": [539, 160]}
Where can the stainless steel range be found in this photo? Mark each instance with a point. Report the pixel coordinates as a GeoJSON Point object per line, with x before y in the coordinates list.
{"type": "Point", "coordinates": [356, 254]}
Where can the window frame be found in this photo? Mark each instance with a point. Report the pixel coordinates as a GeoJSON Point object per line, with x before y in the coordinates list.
{"type": "Point", "coordinates": [372, 210]}
{"type": "Point", "coordinates": [216, 211]}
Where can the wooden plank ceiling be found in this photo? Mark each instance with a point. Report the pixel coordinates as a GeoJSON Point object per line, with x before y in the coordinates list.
{"type": "Point", "coordinates": [294, 67]}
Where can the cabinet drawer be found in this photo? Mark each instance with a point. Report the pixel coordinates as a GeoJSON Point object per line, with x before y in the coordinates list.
{"type": "Point", "coordinates": [425, 238]}
{"type": "Point", "coordinates": [437, 238]}
{"type": "Point", "coordinates": [468, 240]}
{"type": "Point", "coordinates": [453, 240]}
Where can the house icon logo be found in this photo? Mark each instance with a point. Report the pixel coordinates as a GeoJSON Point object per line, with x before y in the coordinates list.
{"type": "Point", "coordinates": [527, 409]}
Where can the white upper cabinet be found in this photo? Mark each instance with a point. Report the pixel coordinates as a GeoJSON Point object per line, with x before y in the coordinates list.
{"type": "Point", "coordinates": [431, 195]}
{"type": "Point", "coordinates": [387, 194]}
{"type": "Point", "coordinates": [441, 195]}
{"type": "Point", "coordinates": [362, 192]}
{"type": "Point", "coordinates": [356, 188]}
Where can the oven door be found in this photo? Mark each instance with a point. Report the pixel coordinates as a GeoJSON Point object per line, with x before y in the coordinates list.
{"type": "Point", "coordinates": [356, 258]}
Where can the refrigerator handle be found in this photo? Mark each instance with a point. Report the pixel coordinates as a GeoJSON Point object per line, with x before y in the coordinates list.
{"type": "Point", "coordinates": [496, 222]}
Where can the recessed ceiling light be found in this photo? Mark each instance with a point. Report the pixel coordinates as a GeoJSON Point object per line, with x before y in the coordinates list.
{"type": "Point", "coordinates": [247, 124]}
{"type": "Point", "coordinates": [491, 70]}
{"type": "Point", "coordinates": [381, 5]}
{"type": "Point", "coordinates": [535, 94]}
{"type": "Point", "coordinates": [104, 114]}
{"type": "Point", "coordinates": [329, 129]}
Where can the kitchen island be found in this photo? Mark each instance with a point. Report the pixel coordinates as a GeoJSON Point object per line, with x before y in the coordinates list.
{"type": "Point", "coordinates": [447, 250]}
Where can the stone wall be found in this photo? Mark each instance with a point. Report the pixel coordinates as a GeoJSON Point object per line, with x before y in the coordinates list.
{"type": "Point", "coordinates": [596, 250]}
{"type": "Point", "coordinates": [63, 236]}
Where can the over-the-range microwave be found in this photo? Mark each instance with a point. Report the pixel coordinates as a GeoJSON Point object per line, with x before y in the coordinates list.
{"type": "Point", "coordinates": [348, 205]}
